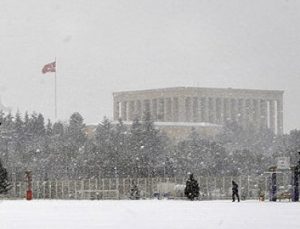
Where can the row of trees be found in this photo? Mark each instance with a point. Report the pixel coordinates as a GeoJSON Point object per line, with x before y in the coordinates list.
{"type": "Point", "coordinates": [4, 183]}
{"type": "Point", "coordinates": [57, 150]}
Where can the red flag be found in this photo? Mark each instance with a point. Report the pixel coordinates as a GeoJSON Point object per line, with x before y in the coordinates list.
{"type": "Point", "coordinates": [49, 67]}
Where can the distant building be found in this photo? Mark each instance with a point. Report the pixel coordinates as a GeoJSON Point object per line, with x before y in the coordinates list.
{"type": "Point", "coordinates": [187, 107]}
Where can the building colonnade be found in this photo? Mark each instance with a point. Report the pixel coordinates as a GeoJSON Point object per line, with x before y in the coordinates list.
{"type": "Point", "coordinates": [261, 112]}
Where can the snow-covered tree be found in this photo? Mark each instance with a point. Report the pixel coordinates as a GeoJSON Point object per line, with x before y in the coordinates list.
{"type": "Point", "coordinates": [4, 183]}
{"type": "Point", "coordinates": [191, 190]}
{"type": "Point", "coordinates": [75, 131]}
{"type": "Point", "coordinates": [147, 147]}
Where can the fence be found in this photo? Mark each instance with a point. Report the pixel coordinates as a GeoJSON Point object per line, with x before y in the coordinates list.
{"type": "Point", "coordinates": [119, 188]}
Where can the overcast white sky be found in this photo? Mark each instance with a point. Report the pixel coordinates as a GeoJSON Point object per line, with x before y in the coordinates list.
{"type": "Point", "coordinates": [107, 45]}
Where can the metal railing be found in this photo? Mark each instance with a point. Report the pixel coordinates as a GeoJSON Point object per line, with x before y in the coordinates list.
{"type": "Point", "coordinates": [211, 188]}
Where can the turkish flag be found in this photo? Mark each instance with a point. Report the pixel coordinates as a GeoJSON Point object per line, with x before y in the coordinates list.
{"type": "Point", "coordinates": [49, 67]}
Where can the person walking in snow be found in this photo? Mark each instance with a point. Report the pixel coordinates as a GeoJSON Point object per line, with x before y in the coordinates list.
{"type": "Point", "coordinates": [191, 190]}
{"type": "Point", "coordinates": [134, 192]}
{"type": "Point", "coordinates": [235, 191]}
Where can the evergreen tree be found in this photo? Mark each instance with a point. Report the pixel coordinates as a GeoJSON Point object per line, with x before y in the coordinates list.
{"type": "Point", "coordinates": [74, 141]}
{"type": "Point", "coordinates": [191, 154]}
{"type": "Point", "coordinates": [1, 117]}
{"type": "Point", "coordinates": [153, 146]}
{"type": "Point", "coordinates": [200, 155]}
{"type": "Point", "coordinates": [234, 137]}
{"type": "Point", "coordinates": [19, 132]}
{"type": "Point", "coordinates": [33, 149]}
{"type": "Point", "coordinates": [135, 146]}
{"type": "Point", "coordinates": [75, 131]}
{"type": "Point", "coordinates": [104, 135]}
{"type": "Point", "coordinates": [4, 184]}
{"type": "Point", "coordinates": [147, 147]}
{"type": "Point", "coordinates": [2, 134]}
{"type": "Point", "coordinates": [6, 136]}
{"type": "Point", "coordinates": [49, 130]}
{"type": "Point", "coordinates": [56, 156]}
{"type": "Point", "coordinates": [105, 146]}
{"type": "Point", "coordinates": [191, 190]}
{"type": "Point", "coordinates": [58, 129]}
{"type": "Point", "coordinates": [120, 150]}
{"type": "Point", "coordinates": [27, 129]}
{"type": "Point", "coordinates": [40, 126]}
{"type": "Point", "coordinates": [292, 146]}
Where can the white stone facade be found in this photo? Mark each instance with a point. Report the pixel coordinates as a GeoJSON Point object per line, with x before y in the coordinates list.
{"type": "Point", "coordinates": [261, 108]}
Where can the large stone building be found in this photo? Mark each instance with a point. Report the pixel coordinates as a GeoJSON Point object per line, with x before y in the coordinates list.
{"type": "Point", "coordinates": [187, 105]}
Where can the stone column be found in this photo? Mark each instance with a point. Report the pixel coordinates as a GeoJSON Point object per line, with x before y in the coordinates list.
{"type": "Point", "coordinates": [248, 111]}
{"type": "Point", "coordinates": [154, 110]}
{"type": "Point", "coordinates": [272, 115]}
{"type": "Point", "coordinates": [116, 110]}
{"type": "Point", "coordinates": [124, 110]}
{"type": "Point", "coordinates": [150, 109]}
{"type": "Point", "coordinates": [146, 107]}
{"type": "Point", "coordinates": [201, 109]}
{"type": "Point", "coordinates": [138, 109]}
{"type": "Point", "coordinates": [218, 111]}
{"type": "Point", "coordinates": [181, 109]}
{"type": "Point", "coordinates": [242, 113]}
{"type": "Point", "coordinates": [252, 111]}
{"type": "Point", "coordinates": [257, 113]}
{"type": "Point", "coordinates": [263, 114]}
{"type": "Point", "coordinates": [188, 108]}
{"type": "Point", "coordinates": [222, 114]}
{"type": "Point", "coordinates": [127, 110]}
{"type": "Point", "coordinates": [226, 111]}
{"type": "Point", "coordinates": [212, 110]}
{"type": "Point", "coordinates": [131, 111]}
{"type": "Point", "coordinates": [233, 109]}
{"type": "Point", "coordinates": [279, 116]}
{"type": "Point", "coordinates": [175, 110]}
{"type": "Point", "coordinates": [161, 110]}
{"type": "Point", "coordinates": [204, 109]}
{"type": "Point", "coordinates": [195, 114]}
{"type": "Point", "coordinates": [168, 110]}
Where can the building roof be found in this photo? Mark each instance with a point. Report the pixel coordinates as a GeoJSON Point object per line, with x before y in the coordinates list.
{"type": "Point", "coordinates": [174, 89]}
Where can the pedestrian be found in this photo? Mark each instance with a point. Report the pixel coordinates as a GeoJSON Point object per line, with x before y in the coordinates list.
{"type": "Point", "coordinates": [134, 192]}
{"type": "Point", "coordinates": [235, 191]}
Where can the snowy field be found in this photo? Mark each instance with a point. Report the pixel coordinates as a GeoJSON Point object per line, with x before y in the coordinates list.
{"type": "Point", "coordinates": [147, 214]}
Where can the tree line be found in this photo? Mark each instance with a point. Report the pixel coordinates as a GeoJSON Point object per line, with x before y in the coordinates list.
{"type": "Point", "coordinates": [65, 149]}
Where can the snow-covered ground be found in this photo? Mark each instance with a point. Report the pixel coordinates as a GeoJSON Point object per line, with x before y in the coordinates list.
{"type": "Point", "coordinates": [147, 214]}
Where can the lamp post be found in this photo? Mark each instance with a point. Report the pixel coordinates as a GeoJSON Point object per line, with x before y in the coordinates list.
{"type": "Point", "coordinates": [29, 185]}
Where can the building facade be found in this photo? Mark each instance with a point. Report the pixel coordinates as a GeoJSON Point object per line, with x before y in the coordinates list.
{"type": "Point", "coordinates": [260, 108]}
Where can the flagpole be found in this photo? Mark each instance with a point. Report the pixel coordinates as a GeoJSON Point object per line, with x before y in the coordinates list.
{"type": "Point", "coordinates": [55, 93]}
